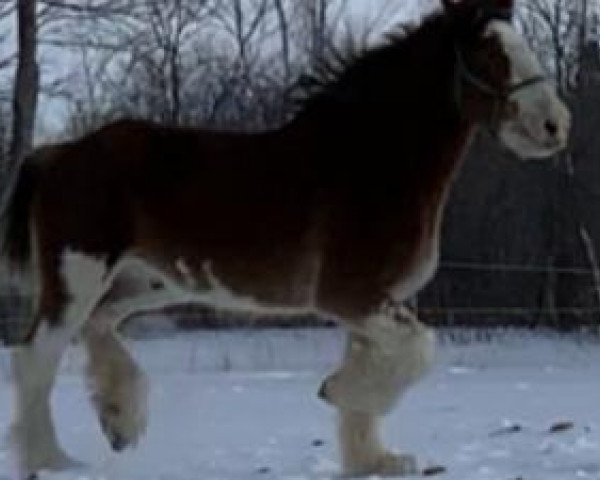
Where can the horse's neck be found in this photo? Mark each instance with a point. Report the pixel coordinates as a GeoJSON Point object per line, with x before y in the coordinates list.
{"type": "Point", "coordinates": [421, 137]}
{"type": "Point", "coordinates": [427, 171]}
{"type": "Point", "coordinates": [410, 146]}
{"type": "Point", "coordinates": [417, 150]}
{"type": "Point", "coordinates": [443, 157]}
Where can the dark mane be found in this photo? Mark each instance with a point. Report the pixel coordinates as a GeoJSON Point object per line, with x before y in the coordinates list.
{"type": "Point", "coordinates": [351, 72]}
{"type": "Point", "coordinates": [355, 73]}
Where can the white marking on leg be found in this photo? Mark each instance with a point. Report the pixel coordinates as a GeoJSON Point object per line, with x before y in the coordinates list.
{"type": "Point", "coordinates": [119, 390]}
{"type": "Point", "coordinates": [361, 449]}
{"type": "Point", "coordinates": [35, 366]}
{"type": "Point", "coordinates": [380, 363]}
{"type": "Point", "coordinates": [85, 282]}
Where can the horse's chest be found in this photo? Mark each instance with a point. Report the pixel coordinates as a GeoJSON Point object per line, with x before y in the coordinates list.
{"type": "Point", "coordinates": [419, 269]}
{"type": "Point", "coordinates": [417, 276]}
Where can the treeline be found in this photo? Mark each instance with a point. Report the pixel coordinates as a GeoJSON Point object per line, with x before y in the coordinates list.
{"type": "Point", "coordinates": [521, 240]}
{"type": "Point", "coordinates": [223, 63]}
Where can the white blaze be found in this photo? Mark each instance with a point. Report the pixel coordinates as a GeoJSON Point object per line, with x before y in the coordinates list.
{"type": "Point", "coordinates": [543, 122]}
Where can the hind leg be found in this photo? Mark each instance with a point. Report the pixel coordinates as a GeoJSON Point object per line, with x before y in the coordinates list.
{"type": "Point", "coordinates": [380, 363]}
{"type": "Point", "coordinates": [32, 433]}
{"type": "Point", "coordinates": [118, 387]}
{"type": "Point", "coordinates": [34, 366]}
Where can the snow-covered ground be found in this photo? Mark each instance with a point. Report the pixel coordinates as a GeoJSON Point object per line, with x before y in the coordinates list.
{"type": "Point", "coordinates": [243, 405]}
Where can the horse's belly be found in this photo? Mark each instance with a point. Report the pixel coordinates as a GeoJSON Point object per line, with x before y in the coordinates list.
{"type": "Point", "coordinates": [286, 292]}
{"type": "Point", "coordinates": [226, 300]}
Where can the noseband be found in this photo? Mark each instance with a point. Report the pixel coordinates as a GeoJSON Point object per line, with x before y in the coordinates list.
{"type": "Point", "coordinates": [501, 96]}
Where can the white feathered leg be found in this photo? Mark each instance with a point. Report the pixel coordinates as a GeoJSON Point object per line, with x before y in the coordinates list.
{"type": "Point", "coordinates": [32, 433]}
{"type": "Point", "coordinates": [118, 389]}
{"type": "Point", "coordinates": [34, 369]}
{"type": "Point", "coordinates": [380, 363]}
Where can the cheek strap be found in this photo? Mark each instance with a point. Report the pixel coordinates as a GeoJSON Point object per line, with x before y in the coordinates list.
{"type": "Point", "coordinates": [500, 96]}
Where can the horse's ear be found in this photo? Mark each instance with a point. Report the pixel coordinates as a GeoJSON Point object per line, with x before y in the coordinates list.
{"type": "Point", "coordinates": [509, 4]}
{"type": "Point", "coordinates": [470, 16]}
{"type": "Point", "coordinates": [504, 8]}
{"type": "Point", "coordinates": [450, 4]}
{"type": "Point", "coordinates": [463, 6]}
{"type": "Point", "coordinates": [505, 4]}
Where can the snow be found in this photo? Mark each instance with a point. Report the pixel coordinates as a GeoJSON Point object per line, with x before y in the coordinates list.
{"type": "Point", "coordinates": [242, 405]}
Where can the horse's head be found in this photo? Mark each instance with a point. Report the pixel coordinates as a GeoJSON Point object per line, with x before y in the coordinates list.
{"type": "Point", "coordinates": [500, 81]}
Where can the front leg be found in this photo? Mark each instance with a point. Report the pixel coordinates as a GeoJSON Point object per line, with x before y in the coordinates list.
{"type": "Point", "coordinates": [119, 390]}
{"type": "Point", "coordinates": [362, 451]}
{"type": "Point", "coordinates": [381, 361]}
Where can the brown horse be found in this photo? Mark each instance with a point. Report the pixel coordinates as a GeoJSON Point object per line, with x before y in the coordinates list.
{"type": "Point", "coordinates": [337, 211]}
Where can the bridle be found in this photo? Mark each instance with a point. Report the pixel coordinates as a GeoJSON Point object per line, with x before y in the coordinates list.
{"type": "Point", "coordinates": [501, 96]}
{"type": "Point", "coordinates": [486, 88]}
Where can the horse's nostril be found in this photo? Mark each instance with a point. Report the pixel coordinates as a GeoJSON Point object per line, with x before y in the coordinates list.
{"type": "Point", "coordinates": [551, 127]}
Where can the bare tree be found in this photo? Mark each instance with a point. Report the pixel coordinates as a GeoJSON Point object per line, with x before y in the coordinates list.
{"type": "Point", "coordinates": [558, 30]}
{"type": "Point", "coordinates": [7, 61]}
{"type": "Point", "coordinates": [284, 35]}
{"type": "Point", "coordinates": [26, 82]}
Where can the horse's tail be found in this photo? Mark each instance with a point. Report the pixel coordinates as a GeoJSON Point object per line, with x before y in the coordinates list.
{"type": "Point", "coordinates": [16, 253]}
{"type": "Point", "coordinates": [16, 244]}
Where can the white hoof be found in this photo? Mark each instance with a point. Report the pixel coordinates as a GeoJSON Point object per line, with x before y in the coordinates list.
{"type": "Point", "coordinates": [62, 462]}
{"type": "Point", "coordinates": [123, 412]}
{"type": "Point", "coordinates": [50, 459]}
{"type": "Point", "coordinates": [384, 464]}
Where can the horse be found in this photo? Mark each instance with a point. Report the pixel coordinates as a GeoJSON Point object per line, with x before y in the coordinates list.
{"type": "Point", "coordinates": [337, 211]}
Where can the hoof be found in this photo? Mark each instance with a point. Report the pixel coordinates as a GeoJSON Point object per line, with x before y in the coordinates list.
{"type": "Point", "coordinates": [118, 443]}
{"type": "Point", "coordinates": [123, 414]}
{"type": "Point", "coordinates": [59, 462]}
{"type": "Point", "coordinates": [385, 465]}
{"type": "Point", "coordinates": [122, 433]}
{"type": "Point", "coordinates": [391, 464]}
{"type": "Point", "coordinates": [68, 463]}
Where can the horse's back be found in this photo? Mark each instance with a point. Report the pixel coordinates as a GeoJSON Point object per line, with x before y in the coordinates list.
{"type": "Point", "coordinates": [89, 190]}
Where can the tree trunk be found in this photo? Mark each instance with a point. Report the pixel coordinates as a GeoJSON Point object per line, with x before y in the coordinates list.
{"type": "Point", "coordinates": [317, 24]}
{"type": "Point", "coordinates": [285, 39]}
{"type": "Point", "coordinates": [26, 83]}
{"type": "Point", "coordinates": [25, 93]}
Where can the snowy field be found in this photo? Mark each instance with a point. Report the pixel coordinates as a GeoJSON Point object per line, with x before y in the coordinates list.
{"type": "Point", "coordinates": [243, 405]}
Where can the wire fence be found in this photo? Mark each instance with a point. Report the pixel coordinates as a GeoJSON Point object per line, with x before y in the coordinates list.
{"type": "Point", "coordinates": [516, 268]}
{"type": "Point", "coordinates": [565, 297]}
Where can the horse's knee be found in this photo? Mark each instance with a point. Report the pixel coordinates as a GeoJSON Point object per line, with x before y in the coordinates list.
{"type": "Point", "coordinates": [380, 364]}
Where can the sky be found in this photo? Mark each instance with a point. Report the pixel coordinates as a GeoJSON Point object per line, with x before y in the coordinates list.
{"type": "Point", "coordinates": [60, 63]}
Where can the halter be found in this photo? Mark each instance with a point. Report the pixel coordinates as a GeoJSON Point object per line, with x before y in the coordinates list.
{"type": "Point", "coordinates": [500, 95]}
